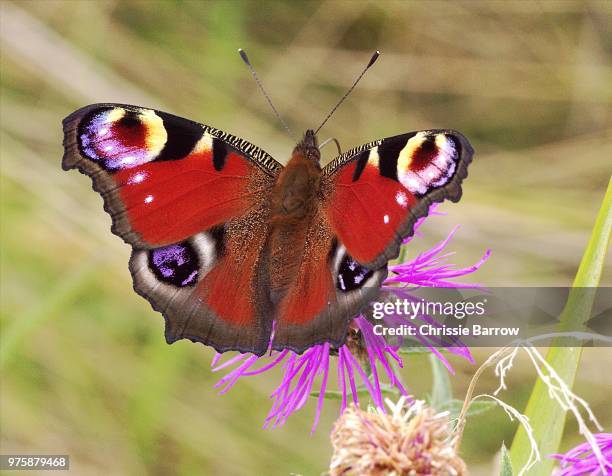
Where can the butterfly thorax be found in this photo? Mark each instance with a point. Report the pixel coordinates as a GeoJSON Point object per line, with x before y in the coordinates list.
{"type": "Point", "coordinates": [297, 187]}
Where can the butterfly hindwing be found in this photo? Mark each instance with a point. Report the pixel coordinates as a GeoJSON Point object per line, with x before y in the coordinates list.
{"type": "Point", "coordinates": [375, 193]}
{"type": "Point", "coordinates": [174, 188]}
{"type": "Point", "coordinates": [210, 288]}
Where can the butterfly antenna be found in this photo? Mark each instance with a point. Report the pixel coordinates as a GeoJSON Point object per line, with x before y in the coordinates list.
{"type": "Point", "coordinates": [370, 63]}
{"type": "Point", "coordinates": [245, 58]}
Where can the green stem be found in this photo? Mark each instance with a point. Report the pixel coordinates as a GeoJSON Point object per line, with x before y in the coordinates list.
{"type": "Point", "coordinates": [546, 417]}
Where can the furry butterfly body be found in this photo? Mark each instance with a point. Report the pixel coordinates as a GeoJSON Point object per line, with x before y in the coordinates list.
{"type": "Point", "coordinates": [233, 248]}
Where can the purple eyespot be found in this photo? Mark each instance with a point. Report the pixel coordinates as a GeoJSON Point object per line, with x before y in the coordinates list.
{"type": "Point", "coordinates": [351, 275]}
{"type": "Point", "coordinates": [117, 139]}
{"type": "Point", "coordinates": [177, 265]}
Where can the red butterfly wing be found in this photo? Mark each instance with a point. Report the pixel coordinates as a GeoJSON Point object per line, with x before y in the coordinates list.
{"type": "Point", "coordinates": [375, 193]}
{"type": "Point", "coordinates": [191, 201]}
{"type": "Point", "coordinates": [164, 178]}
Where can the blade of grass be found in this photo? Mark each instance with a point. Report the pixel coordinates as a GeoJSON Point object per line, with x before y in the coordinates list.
{"type": "Point", "coordinates": [506, 464]}
{"type": "Point", "coordinates": [546, 417]}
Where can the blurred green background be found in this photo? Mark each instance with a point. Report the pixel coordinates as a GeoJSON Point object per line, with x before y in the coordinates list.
{"type": "Point", "coordinates": [85, 369]}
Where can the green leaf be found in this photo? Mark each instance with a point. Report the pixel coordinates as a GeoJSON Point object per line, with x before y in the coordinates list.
{"type": "Point", "coordinates": [545, 415]}
{"type": "Point", "coordinates": [441, 391]}
{"type": "Point", "coordinates": [506, 464]}
{"type": "Point", "coordinates": [329, 394]}
{"type": "Point", "coordinates": [454, 407]}
{"type": "Point", "coordinates": [362, 393]}
{"type": "Point", "coordinates": [414, 350]}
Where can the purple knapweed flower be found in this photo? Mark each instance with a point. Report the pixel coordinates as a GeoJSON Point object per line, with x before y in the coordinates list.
{"type": "Point", "coordinates": [366, 363]}
{"type": "Point", "coordinates": [583, 460]}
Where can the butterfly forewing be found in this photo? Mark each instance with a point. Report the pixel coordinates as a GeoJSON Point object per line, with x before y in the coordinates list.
{"type": "Point", "coordinates": [164, 178]}
{"type": "Point", "coordinates": [375, 193]}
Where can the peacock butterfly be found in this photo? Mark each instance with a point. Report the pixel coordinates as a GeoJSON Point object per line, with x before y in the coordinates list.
{"type": "Point", "coordinates": [227, 241]}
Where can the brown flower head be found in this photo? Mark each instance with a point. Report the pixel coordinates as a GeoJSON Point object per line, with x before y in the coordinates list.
{"type": "Point", "coordinates": [411, 440]}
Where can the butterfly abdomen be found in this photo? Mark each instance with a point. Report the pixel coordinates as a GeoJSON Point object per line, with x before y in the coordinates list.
{"type": "Point", "coordinates": [294, 204]}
